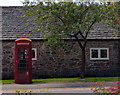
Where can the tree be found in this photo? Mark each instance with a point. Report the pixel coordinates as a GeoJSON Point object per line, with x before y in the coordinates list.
{"type": "Point", "coordinates": [116, 15]}
{"type": "Point", "coordinates": [68, 19]}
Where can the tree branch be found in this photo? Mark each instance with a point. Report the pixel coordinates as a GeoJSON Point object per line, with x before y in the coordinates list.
{"type": "Point", "coordinates": [85, 40]}
{"type": "Point", "coordinates": [80, 44]}
{"type": "Point", "coordinates": [81, 34]}
{"type": "Point", "coordinates": [90, 28]}
{"type": "Point", "coordinates": [59, 18]}
{"type": "Point", "coordinates": [73, 35]}
{"type": "Point", "coordinates": [84, 12]}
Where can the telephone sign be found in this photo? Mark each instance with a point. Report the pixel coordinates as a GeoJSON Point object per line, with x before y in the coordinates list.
{"type": "Point", "coordinates": [23, 61]}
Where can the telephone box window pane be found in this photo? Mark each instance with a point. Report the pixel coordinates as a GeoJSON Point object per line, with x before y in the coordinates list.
{"type": "Point", "coordinates": [23, 50]}
{"type": "Point", "coordinates": [23, 53]}
{"type": "Point", "coordinates": [23, 61]}
{"type": "Point", "coordinates": [22, 65]}
{"type": "Point", "coordinates": [94, 53]}
{"type": "Point", "coordinates": [22, 57]}
{"type": "Point", "coordinates": [103, 53]}
{"type": "Point", "coordinates": [22, 69]}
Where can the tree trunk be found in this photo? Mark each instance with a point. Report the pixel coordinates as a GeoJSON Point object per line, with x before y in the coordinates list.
{"type": "Point", "coordinates": [82, 68]}
{"type": "Point", "coordinates": [82, 46]}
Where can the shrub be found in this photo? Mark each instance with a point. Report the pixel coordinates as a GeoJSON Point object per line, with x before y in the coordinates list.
{"type": "Point", "coordinates": [24, 91]}
{"type": "Point", "coordinates": [100, 88]}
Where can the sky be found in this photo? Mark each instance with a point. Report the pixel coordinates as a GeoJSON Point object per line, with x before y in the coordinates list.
{"type": "Point", "coordinates": [19, 2]}
{"type": "Point", "coordinates": [11, 2]}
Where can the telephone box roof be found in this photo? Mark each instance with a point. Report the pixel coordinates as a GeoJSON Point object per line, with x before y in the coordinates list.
{"type": "Point", "coordinates": [20, 39]}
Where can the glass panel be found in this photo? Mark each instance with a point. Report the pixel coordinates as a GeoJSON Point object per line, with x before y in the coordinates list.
{"type": "Point", "coordinates": [22, 65]}
{"type": "Point", "coordinates": [23, 55]}
{"type": "Point", "coordinates": [33, 53]}
{"type": "Point", "coordinates": [23, 61]}
{"type": "Point", "coordinates": [94, 53]}
{"type": "Point", "coordinates": [103, 53]}
{"type": "Point", "coordinates": [22, 69]}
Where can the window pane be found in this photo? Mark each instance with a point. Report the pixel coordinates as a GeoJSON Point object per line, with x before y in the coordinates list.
{"type": "Point", "coordinates": [103, 53]}
{"type": "Point", "coordinates": [22, 65]}
{"type": "Point", "coordinates": [23, 61]}
{"type": "Point", "coordinates": [22, 53]}
{"type": "Point", "coordinates": [22, 69]}
{"type": "Point", "coordinates": [94, 53]}
{"type": "Point", "coordinates": [33, 53]}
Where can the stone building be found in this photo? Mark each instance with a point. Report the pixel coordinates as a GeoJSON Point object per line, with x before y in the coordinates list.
{"type": "Point", "coordinates": [102, 50]}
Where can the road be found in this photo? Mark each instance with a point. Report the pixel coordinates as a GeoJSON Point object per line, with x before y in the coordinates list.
{"type": "Point", "coordinates": [81, 88]}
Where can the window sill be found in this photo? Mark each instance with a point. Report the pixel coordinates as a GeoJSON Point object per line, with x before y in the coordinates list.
{"type": "Point", "coordinates": [99, 59]}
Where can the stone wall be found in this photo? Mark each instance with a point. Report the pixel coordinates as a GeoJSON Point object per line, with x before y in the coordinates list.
{"type": "Point", "coordinates": [62, 62]}
{"type": "Point", "coordinates": [103, 68]}
{"type": "Point", "coordinates": [8, 59]}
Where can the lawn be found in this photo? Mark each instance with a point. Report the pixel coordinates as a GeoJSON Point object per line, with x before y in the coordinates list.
{"type": "Point", "coordinates": [58, 80]}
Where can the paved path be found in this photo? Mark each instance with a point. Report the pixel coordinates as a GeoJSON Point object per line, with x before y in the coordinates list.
{"type": "Point", "coordinates": [76, 87]}
{"type": "Point", "coordinates": [55, 90]}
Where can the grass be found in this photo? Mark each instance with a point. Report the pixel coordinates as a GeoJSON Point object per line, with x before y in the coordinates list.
{"type": "Point", "coordinates": [59, 80]}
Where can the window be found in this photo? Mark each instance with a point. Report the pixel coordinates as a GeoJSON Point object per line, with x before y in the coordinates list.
{"type": "Point", "coordinates": [99, 53]}
{"type": "Point", "coordinates": [34, 54]}
{"type": "Point", "coordinates": [23, 55]}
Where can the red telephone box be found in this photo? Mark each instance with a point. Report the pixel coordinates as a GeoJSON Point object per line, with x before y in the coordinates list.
{"type": "Point", "coordinates": [23, 61]}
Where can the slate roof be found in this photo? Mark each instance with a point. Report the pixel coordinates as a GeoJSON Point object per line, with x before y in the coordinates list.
{"type": "Point", "coordinates": [13, 27]}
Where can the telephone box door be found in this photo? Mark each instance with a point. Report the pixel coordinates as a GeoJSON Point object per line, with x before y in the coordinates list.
{"type": "Point", "coordinates": [23, 64]}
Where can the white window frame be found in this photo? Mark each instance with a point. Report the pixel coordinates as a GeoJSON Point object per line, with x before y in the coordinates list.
{"type": "Point", "coordinates": [99, 58]}
{"type": "Point", "coordinates": [35, 54]}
